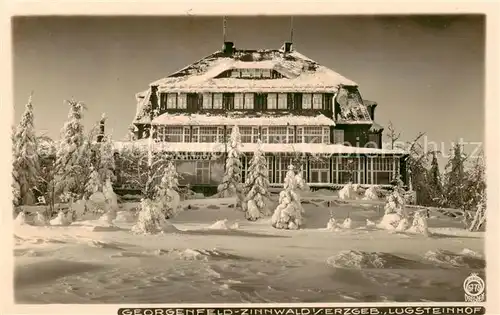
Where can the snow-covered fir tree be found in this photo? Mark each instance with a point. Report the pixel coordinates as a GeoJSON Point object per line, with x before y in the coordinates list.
{"type": "Point", "coordinates": [151, 219]}
{"type": "Point", "coordinates": [107, 159]}
{"type": "Point", "coordinates": [419, 224]}
{"type": "Point", "coordinates": [26, 167]}
{"type": "Point", "coordinates": [231, 182]}
{"type": "Point", "coordinates": [435, 183]}
{"type": "Point", "coordinates": [257, 185]}
{"type": "Point", "coordinates": [94, 183]}
{"type": "Point", "coordinates": [68, 156]}
{"type": "Point", "coordinates": [301, 182]}
{"type": "Point", "coordinates": [288, 213]}
{"type": "Point", "coordinates": [167, 196]}
{"type": "Point", "coordinates": [455, 179]}
{"type": "Point", "coordinates": [395, 214]}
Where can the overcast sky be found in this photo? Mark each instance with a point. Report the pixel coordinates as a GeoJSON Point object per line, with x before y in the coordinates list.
{"type": "Point", "coordinates": [426, 73]}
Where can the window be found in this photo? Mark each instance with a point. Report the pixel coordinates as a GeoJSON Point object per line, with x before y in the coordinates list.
{"type": "Point", "coordinates": [319, 172]}
{"type": "Point", "coordinates": [272, 101]}
{"type": "Point", "coordinates": [245, 73]}
{"type": "Point", "coordinates": [235, 74]}
{"type": "Point", "coordinates": [313, 134]}
{"type": "Point", "coordinates": [248, 104]}
{"type": "Point", "coordinates": [270, 167]}
{"type": "Point", "coordinates": [307, 101]}
{"type": "Point", "coordinates": [208, 134]}
{"type": "Point", "coordinates": [245, 161]}
{"type": "Point", "coordinates": [260, 101]}
{"type": "Point", "coordinates": [193, 101]}
{"type": "Point", "coordinates": [182, 101]}
{"type": "Point", "coordinates": [172, 134]}
{"type": "Point", "coordinates": [171, 100]}
{"type": "Point", "coordinates": [381, 170]}
{"type": "Point", "coordinates": [294, 101]}
{"type": "Point", "coordinates": [227, 101]}
{"type": "Point", "coordinates": [282, 101]}
{"type": "Point", "coordinates": [238, 101]}
{"type": "Point", "coordinates": [282, 168]}
{"type": "Point", "coordinates": [202, 172]}
{"type": "Point", "coordinates": [187, 134]}
{"type": "Point", "coordinates": [248, 134]}
{"type": "Point", "coordinates": [317, 102]}
{"type": "Point", "coordinates": [326, 135]}
{"type": "Point", "coordinates": [207, 101]}
{"type": "Point", "coordinates": [328, 102]}
{"type": "Point", "coordinates": [217, 102]}
{"type": "Point", "coordinates": [350, 169]}
{"type": "Point", "coordinates": [277, 134]}
{"type": "Point", "coordinates": [338, 136]}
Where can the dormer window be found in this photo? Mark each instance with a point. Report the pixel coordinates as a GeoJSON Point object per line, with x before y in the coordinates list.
{"type": "Point", "coordinates": [251, 73]}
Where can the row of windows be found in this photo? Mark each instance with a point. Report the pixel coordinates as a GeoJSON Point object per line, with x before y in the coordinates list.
{"type": "Point", "coordinates": [272, 134]}
{"type": "Point", "coordinates": [319, 171]}
{"type": "Point", "coordinates": [246, 101]}
{"type": "Point", "coordinates": [252, 73]}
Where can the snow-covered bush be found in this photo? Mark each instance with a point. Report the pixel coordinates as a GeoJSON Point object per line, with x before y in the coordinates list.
{"type": "Point", "coordinates": [220, 225]}
{"type": "Point", "coordinates": [151, 220]}
{"type": "Point", "coordinates": [372, 193]}
{"type": "Point", "coordinates": [394, 209]}
{"type": "Point", "coordinates": [288, 214]}
{"type": "Point", "coordinates": [332, 224]}
{"type": "Point", "coordinates": [26, 165]}
{"type": "Point", "coordinates": [403, 225]}
{"type": "Point", "coordinates": [301, 182]}
{"type": "Point", "coordinates": [61, 219]}
{"type": "Point", "coordinates": [96, 203]}
{"type": "Point", "coordinates": [40, 219]}
{"type": "Point", "coordinates": [257, 186]}
{"type": "Point", "coordinates": [20, 219]}
{"type": "Point", "coordinates": [231, 182]}
{"type": "Point", "coordinates": [167, 197]}
{"type": "Point", "coordinates": [347, 192]}
{"type": "Point", "coordinates": [110, 196]}
{"type": "Point", "coordinates": [370, 223]}
{"type": "Point", "coordinates": [347, 224]}
{"type": "Point", "coordinates": [419, 224]}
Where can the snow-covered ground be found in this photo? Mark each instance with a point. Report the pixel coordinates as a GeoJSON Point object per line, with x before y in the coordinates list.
{"type": "Point", "coordinates": [241, 261]}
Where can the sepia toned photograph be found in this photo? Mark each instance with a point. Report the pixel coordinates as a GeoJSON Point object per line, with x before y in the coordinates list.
{"type": "Point", "coordinates": [249, 159]}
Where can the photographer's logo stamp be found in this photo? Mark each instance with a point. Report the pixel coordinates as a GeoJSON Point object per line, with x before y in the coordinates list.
{"type": "Point", "coordinates": [474, 288]}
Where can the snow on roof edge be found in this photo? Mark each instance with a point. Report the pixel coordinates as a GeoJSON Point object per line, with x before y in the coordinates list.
{"type": "Point", "coordinates": [311, 148]}
{"type": "Point", "coordinates": [199, 119]}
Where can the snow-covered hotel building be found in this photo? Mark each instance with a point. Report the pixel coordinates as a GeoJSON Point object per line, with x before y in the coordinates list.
{"type": "Point", "coordinates": [301, 110]}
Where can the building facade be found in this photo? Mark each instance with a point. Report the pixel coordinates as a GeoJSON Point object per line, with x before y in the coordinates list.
{"type": "Point", "coordinates": [304, 113]}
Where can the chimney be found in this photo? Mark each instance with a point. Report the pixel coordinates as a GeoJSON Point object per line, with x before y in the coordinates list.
{"type": "Point", "coordinates": [102, 123]}
{"type": "Point", "coordinates": [228, 48]}
{"type": "Point", "coordinates": [287, 47]}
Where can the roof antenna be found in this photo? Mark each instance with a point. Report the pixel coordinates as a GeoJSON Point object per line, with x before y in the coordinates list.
{"type": "Point", "coordinates": [291, 29]}
{"type": "Point", "coordinates": [224, 22]}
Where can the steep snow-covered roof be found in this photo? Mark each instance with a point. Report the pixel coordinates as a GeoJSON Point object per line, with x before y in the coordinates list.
{"type": "Point", "coordinates": [313, 148]}
{"type": "Point", "coordinates": [300, 73]}
{"type": "Point", "coordinates": [352, 108]}
{"type": "Point", "coordinates": [243, 119]}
